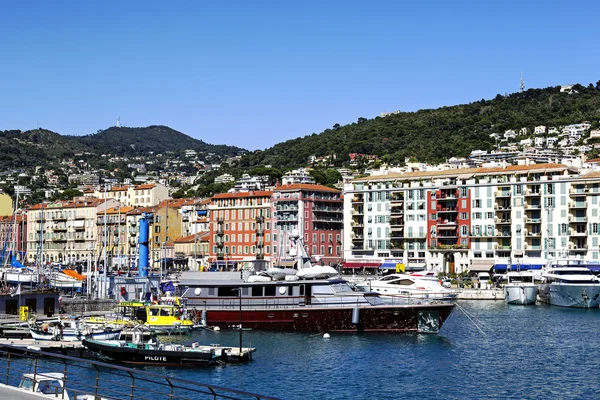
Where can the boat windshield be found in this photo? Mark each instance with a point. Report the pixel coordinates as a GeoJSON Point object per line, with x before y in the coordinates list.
{"type": "Point", "coordinates": [572, 272]}
{"type": "Point", "coordinates": [26, 383]}
{"type": "Point", "coordinates": [49, 387]}
{"type": "Point", "coordinates": [341, 287]}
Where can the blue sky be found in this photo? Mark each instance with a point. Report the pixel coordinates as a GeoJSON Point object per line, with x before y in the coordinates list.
{"type": "Point", "coordinates": [255, 73]}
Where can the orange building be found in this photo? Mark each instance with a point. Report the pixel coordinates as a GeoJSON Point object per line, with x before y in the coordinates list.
{"type": "Point", "coordinates": [240, 225]}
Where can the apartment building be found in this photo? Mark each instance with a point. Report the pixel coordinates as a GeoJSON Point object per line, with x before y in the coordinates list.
{"type": "Point", "coordinates": [145, 195]}
{"type": "Point", "coordinates": [112, 233]}
{"type": "Point", "coordinates": [240, 225]}
{"type": "Point", "coordinates": [473, 219]}
{"type": "Point", "coordinates": [64, 231]}
{"type": "Point", "coordinates": [309, 212]}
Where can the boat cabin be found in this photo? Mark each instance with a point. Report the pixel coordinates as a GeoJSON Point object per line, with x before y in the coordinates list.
{"type": "Point", "coordinates": [49, 383]}
{"type": "Point", "coordinates": [205, 293]}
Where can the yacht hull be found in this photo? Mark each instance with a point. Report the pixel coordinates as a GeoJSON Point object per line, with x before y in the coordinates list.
{"type": "Point", "coordinates": [571, 295]}
{"type": "Point", "coordinates": [141, 355]}
{"type": "Point", "coordinates": [520, 294]}
{"type": "Point", "coordinates": [406, 318]}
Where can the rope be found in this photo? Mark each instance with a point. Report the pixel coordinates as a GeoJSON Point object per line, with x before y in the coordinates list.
{"type": "Point", "coordinates": [470, 319]}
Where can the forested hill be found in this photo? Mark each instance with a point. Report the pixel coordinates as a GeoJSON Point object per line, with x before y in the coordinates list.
{"type": "Point", "coordinates": [44, 148]}
{"type": "Point", "coordinates": [155, 138]}
{"type": "Point", "coordinates": [437, 134]}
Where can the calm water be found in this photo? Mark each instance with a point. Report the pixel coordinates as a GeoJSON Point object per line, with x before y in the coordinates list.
{"type": "Point", "coordinates": [520, 352]}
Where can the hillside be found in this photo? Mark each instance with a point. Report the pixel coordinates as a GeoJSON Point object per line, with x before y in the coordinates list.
{"type": "Point", "coordinates": [156, 138]}
{"type": "Point", "coordinates": [437, 134]}
{"type": "Point", "coordinates": [43, 147]}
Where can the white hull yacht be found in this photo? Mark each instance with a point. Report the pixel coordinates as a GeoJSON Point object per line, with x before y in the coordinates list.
{"type": "Point", "coordinates": [408, 286]}
{"type": "Point", "coordinates": [570, 287]}
{"type": "Point", "coordinates": [520, 288]}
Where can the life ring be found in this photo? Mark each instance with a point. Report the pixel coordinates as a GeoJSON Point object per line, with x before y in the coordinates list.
{"type": "Point", "coordinates": [123, 290]}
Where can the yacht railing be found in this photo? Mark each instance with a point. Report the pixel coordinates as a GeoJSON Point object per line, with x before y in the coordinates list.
{"type": "Point", "coordinates": [107, 381]}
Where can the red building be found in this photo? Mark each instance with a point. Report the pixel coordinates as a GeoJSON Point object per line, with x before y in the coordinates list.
{"type": "Point", "coordinates": [311, 213]}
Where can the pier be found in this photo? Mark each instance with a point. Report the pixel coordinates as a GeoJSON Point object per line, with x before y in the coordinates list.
{"type": "Point", "coordinates": [101, 379]}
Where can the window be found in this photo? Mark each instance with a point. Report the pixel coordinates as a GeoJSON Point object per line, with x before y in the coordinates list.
{"type": "Point", "coordinates": [464, 230]}
{"type": "Point", "coordinates": [464, 215]}
{"type": "Point", "coordinates": [477, 203]}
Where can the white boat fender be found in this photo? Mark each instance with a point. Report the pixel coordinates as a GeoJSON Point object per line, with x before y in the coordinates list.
{"type": "Point", "coordinates": [326, 336]}
{"type": "Point", "coordinates": [217, 329]}
{"type": "Point", "coordinates": [355, 315]}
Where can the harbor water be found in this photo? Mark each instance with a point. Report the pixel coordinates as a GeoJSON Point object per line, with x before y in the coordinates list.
{"type": "Point", "coordinates": [487, 349]}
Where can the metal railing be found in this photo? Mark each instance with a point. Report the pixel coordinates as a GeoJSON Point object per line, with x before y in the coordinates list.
{"type": "Point", "coordinates": [107, 381]}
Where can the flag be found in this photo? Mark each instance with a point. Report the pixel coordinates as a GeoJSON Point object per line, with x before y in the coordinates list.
{"type": "Point", "coordinates": [17, 292]}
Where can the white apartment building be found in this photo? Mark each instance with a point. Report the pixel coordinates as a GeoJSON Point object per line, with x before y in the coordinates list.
{"type": "Point", "coordinates": [145, 195]}
{"type": "Point", "coordinates": [475, 219]}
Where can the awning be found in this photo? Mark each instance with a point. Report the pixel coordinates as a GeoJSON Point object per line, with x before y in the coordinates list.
{"type": "Point", "coordinates": [593, 268]}
{"type": "Point", "coordinates": [78, 223]}
{"type": "Point", "coordinates": [519, 267]}
{"type": "Point", "coordinates": [361, 265]}
{"type": "Point", "coordinates": [389, 264]}
{"type": "Point", "coordinates": [415, 267]}
{"type": "Point", "coordinates": [481, 266]}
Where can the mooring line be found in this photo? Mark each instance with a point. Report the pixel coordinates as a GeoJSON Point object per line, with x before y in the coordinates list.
{"type": "Point", "coordinates": [471, 319]}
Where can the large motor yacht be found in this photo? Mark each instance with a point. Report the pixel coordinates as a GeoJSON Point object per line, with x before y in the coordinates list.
{"type": "Point", "coordinates": [417, 286]}
{"type": "Point", "coordinates": [569, 286]}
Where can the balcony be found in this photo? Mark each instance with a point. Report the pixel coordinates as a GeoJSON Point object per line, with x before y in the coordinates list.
{"type": "Point", "coordinates": [531, 193]}
{"type": "Point", "coordinates": [535, 206]}
{"type": "Point", "coordinates": [502, 207]}
{"type": "Point", "coordinates": [503, 221]}
{"type": "Point", "coordinates": [578, 191]}
{"type": "Point", "coordinates": [502, 247]}
{"type": "Point", "coordinates": [575, 247]}
{"type": "Point", "coordinates": [532, 234]}
{"type": "Point", "coordinates": [578, 204]}
{"type": "Point", "coordinates": [503, 193]}
{"type": "Point", "coordinates": [573, 219]}
{"type": "Point", "coordinates": [573, 232]}
{"type": "Point", "coordinates": [533, 220]}
{"type": "Point", "coordinates": [358, 199]}
{"type": "Point", "coordinates": [443, 210]}
{"type": "Point", "coordinates": [357, 211]}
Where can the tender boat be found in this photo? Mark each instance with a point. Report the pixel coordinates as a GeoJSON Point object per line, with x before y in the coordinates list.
{"type": "Point", "coordinates": [154, 352]}
{"type": "Point", "coordinates": [304, 305]}
{"type": "Point", "coordinates": [520, 288]}
{"type": "Point", "coordinates": [50, 385]}
{"type": "Point", "coordinates": [71, 330]}
{"type": "Point", "coordinates": [160, 317]}
{"type": "Point", "coordinates": [569, 286]}
{"type": "Point", "coordinates": [416, 286]}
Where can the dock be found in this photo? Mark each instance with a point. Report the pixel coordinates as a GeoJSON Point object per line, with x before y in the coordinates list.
{"type": "Point", "coordinates": [480, 294]}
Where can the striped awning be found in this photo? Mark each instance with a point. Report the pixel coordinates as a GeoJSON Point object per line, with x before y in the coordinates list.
{"type": "Point", "coordinates": [359, 264]}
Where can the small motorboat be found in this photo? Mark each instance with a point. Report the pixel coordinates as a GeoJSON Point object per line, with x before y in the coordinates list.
{"type": "Point", "coordinates": [520, 288]}
{"type": "Point", "coordinates": [50, 385]}
{"type": "Point", "coordinates": [70, 330]}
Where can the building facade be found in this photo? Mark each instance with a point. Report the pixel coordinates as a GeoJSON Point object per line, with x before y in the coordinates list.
{"type": "Point", "coordinates": [240, 225]}
{"type": "Point", "coordinates": [309, 215]}
{"type": "Point", "coordinates": [65, 231]}
{"type": "Point", "coordinates": [473, 219]}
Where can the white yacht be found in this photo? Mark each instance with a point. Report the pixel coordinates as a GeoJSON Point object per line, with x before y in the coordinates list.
{"type": "Point", "coordinates": [569, 286]}
{"type": "Point", "coordinates": [520, 288]}
{"type": "Point", "coordinates": [403, 285]}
